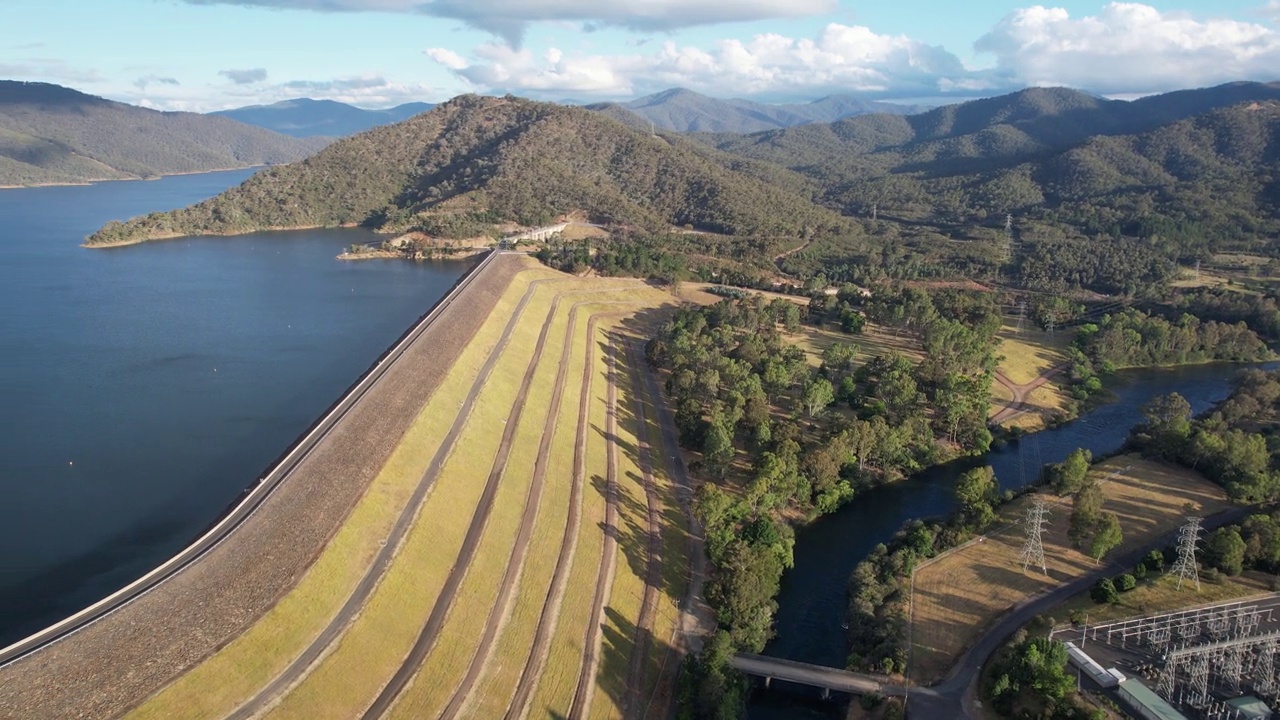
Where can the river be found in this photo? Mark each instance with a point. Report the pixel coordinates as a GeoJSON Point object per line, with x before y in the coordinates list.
{"type": "Point", "coordinates": [146, 386]}
{"type": "Point", "coordinates": [811, 606]}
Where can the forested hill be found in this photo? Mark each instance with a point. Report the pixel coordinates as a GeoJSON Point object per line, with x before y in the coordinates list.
{"type": "Point", "coordinates": [53, 134]}
{"type": "Point", "coordinates": [479, 160]}
{"type": "Point", "coordinates": [687, 111]}
{"type": "Point", "coordinates": [1202, 161]}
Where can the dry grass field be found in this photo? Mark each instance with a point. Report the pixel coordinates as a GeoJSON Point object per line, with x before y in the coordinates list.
{"type": "Point", "coordinates": [1160, 594]}
{"type": "Point", "coordinates": [961, 592]}
{"type": "Point", "coordinates": [430, 572]}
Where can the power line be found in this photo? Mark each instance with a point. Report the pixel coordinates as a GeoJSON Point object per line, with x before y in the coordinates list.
{"type": "Point", "coordinates": [1033, 548]}
{"type": "Point", "coordinates": [1186, 566]}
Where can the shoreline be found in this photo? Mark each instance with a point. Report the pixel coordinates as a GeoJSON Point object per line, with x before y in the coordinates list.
{"type": "Point", "coordinates": [178, 236]}
{"type": "Point", "coordinates": [85, 183]}
{"type": "Point", "coordinates": [268, 509]}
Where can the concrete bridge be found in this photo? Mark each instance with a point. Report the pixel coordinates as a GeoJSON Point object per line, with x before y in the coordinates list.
{"type": "Point", "coordinates": [828, 679]}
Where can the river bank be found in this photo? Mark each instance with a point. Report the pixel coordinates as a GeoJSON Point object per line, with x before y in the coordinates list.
{"type": "Point", "coordinates": [813, 599]}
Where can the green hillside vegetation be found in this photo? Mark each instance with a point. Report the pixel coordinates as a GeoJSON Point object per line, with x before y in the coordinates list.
{"type": "Point", "coordinates": [52, 134]}
{"type": "Point", "coordinates": [475, 161]}
{"type": "Point", "coordinates": [1106, 195]}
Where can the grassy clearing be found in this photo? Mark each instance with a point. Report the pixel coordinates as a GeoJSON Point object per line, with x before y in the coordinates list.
{"type": "Point", "coordinates": [376, 642]}
{"type": "Point", "coordinates": [217, 686]}
{"type": "Point", "coordinates": [1028, 354]}
{"type": "Point", "coordinates": [874, 340]}
{"type": "Point", "coordinates": [963, 591]}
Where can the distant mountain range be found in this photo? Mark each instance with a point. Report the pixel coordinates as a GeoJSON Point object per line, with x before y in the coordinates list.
{"type": "Point", "coordinates": [687, 111]}
{"type": "Point", "coordinates": [304, 117]}
{"type": "Point", "coordinates": [53, 135]}
{"type": "Point", "coordinates": [677, 109]}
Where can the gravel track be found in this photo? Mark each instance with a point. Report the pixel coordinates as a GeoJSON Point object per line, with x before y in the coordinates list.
{"type": "Point", "coordinates": [604, 579]}
{"type": "Point", "coordinates": [642, 638]}
{"type": "Point", "coordinates": [382, 562]}
{"type": "Point", "coordinates": [547, 621]}
{"type": "Point", "coordinates": [110, 666]}
{"type": "Point", "coordinates": [444, 601]}
{"type": "Point", "coordinates": [501, 610]}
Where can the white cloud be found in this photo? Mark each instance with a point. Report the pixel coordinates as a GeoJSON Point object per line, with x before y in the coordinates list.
{"type": "Point", "coordinates": [1129, 48]}
{"type": "Point", "coordinates": [840, 58]}
{"type": "Point", "coordinates": [1271, 11]}
{"type": "Point", "coordinates": [509, 18]}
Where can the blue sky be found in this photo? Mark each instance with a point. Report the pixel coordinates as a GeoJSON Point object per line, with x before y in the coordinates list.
{"type": "Point", "coordinates": [213, 54]}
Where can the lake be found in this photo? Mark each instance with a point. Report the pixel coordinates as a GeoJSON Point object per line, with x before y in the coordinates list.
{"type": "Point", "coordinates": [146, 386]}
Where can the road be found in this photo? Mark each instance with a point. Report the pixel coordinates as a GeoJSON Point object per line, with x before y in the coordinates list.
{"type": "Point", "coordinates": [242, 511]}
{"type": "Point", "coordinates": [1018, 404]}
{"type": "Point", "coordinates": [960, 689]}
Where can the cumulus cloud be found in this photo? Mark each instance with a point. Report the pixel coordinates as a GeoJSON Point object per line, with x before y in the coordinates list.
{"type": "Point", "coordinates": [508, 19]}
{"type": "Point", "coordinates": [840, 58]}
{"type": "Point", "coordinates": [1129, 48]}
{"type": "Point", "coordinates": [142, 82]}
{"type": "Point", "coordinates": [1271, 11]}
{"type": "Point", "coordinates": [245, 77]}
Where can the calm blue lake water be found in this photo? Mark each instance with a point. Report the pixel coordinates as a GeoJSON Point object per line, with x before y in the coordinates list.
{"type": "Point", "coordinates": [144, 387]}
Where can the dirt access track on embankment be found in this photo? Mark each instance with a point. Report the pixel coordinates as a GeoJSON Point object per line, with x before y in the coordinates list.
{"type": "Point", "coordinates": [109, 666]}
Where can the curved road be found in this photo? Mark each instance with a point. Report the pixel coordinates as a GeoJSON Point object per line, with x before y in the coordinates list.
{"type": "Point", "coordinates": [237, 515]}
{"type": "Point", "coordinates": [959, 691]}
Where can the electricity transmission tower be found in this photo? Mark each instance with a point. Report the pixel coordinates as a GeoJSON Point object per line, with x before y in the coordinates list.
{"type": "Point", "coordinates": [875, 210]}
{"type": "Point", "coordinates": [1022, 314]}
{"type": "Point", "coordinates": [1186, 567]}
{"type": "Point", "coordinates": [1033, 548]}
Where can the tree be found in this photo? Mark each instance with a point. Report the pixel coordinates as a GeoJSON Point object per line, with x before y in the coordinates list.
{"type": "Point", "coordinates": [818, 394]}
{"type": "Point", "coordinates": [976, 491]}
{"type": "Point", "coordinates": [1086, 510]}
{"type": "Point", "coordinates": [1126, 582]}
{"type": "Point", "coordinates": [1107, 536]}
{"type": "Point", "coordinates": [1225, 549]}
{"type": "Point", "coordinates": [1069, 475]}
{"type": "Point", "coordinates": [717, 448]}
{"type": "Point", "coordinates": [1104, 591]}
{"type": "Point", "coordinates": [1168, 424]}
